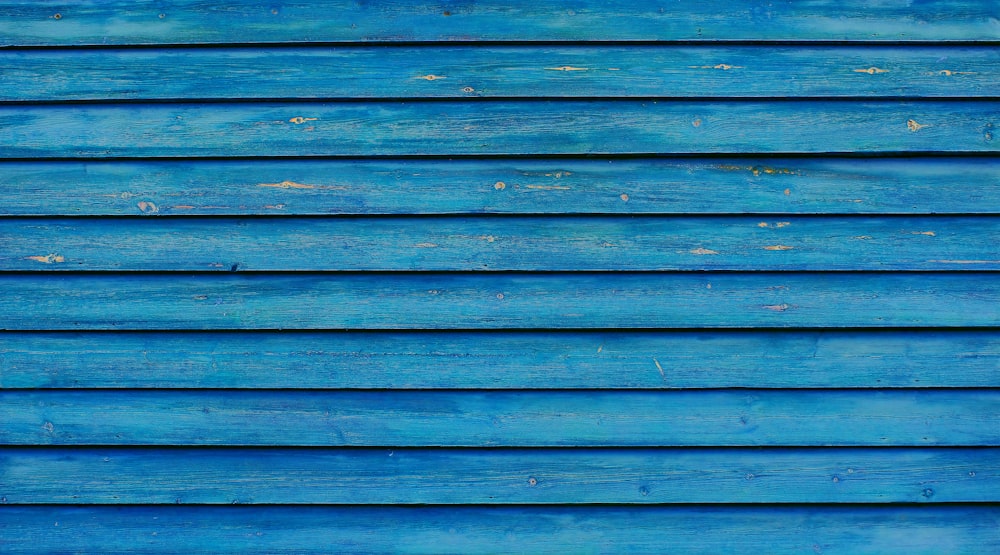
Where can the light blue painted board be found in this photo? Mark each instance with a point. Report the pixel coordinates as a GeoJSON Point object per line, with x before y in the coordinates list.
{"type": "Point", "coordinates": [649, 186]}
{"type": "Point", "coordinates": [509, 419]}
{"type": "Point", "coordinates": [498, 71]}
{"type": "Point", "coordinates": [462, 128]}
{"type": "Point", "coordinates": [502, 244]}
{"type": "Point", "coordinates": [94, 22]}
{"type": "Point", "coordinates": [501, 359]}
{"type": "Point", "coordinates": [240, 529]}
{"type": "Point", "coordinates": [496, 301]}
{"type": "Point", "coordinates": [138, 475]}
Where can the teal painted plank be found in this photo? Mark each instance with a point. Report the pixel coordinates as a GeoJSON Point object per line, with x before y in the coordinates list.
{"type": "Point", "coordinates": [499, 244]}
{"type": "Point", "coordinates": [501, 360]}
{"type": "Point", "coordinates": [109, 475]}
{"type": "Point", "coordinates": [496, 128]}
{"type": "Point", "coordinates": [930, 529]}
{"type": "Point", "coordinates": [649, 186]}
{"type": "Point", "coordinates": [498, 71]}
{"type": "Point", "coordinates": [352, 301]}
{"type": "Point", "coordinates": [198, 21]}
{"type": "Point", "coordinates": [508, 419]}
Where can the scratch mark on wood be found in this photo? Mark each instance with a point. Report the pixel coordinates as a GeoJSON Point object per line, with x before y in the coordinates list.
{"type": "Point", "coordinates": [723, 67]}
{"type": "Point", "coordinates": [287, 185]}
{"type": "Point", "coordinates": [927, 233]}
{"type": "Point", "coordinates": [949, 73]}
{"type": "Point", "coordinates": [778, 248]}
{"type": "Point", "coordinates": [913, 126]}
{"type": "Point", "coordinates": [702, 251]}
{"type": "Point", "coordinates": [425, 245]}
{"type": "Point", "coordinates": [757, 170]}
{"type": "Point", "coordinates": [297, 120]}
{"type": "Point", "coordinates": [871, 70]}
{"type": "Point", "coordinates": [48, 259]}
{"type": "Point", "coordinates": [148, 207]}
{"type": "Point", "coordinates": [568, 68]}
{"type": "Point", "coordinates": [431, 77]}
{"type": "Point", "coordinates": [778, 307]}
{"type": "Point", "coordinates": [660, 368]}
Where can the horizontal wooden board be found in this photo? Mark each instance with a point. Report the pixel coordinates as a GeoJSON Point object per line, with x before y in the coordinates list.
{"type": "Point", "coordinates": [640, 186]}
{"type": "Point", "coordinates": [529, 127]}
{"type": "Point", "coordinates": [312, 529]}
{"type": "Point", "coordinates": [501, 360]}
{"type": "Point", "coordinates": [456, 301]}
{"type": "Point", "coordinates": [510, 419]}
{"type": "Point", "coordinates": [95, 22]}
{"type": "Point", "coordinates": [498, 71]}
{"type": "Point", "coordinates": [30, 475]}
{"type": "Point", "coordinates": [501, 244]}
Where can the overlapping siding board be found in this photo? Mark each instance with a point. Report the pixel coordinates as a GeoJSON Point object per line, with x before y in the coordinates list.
{"type": "Point", "coordinates": [523, 276]}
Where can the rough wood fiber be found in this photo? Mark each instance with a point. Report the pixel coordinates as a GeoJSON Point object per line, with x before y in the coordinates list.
{"type": "Point", "coordinates": [462, 128]}
{"type": "Point", "coordinates": [642, 186]}
{"type": "Point", "coordinates": [513, 419]}
{"type": "Point", "coordinates": [710, 530]}
{"type": "Point", "coordinates": [143, 475]}
{"type": "Point", "coordinates": [501, 244]}
{"type": "Point", "coordinates": [501, 360]}
{"type": "Point", "coordinates": [498, 71]}
{"type": "Point", "coordinates": [95, 22]}
{"type": "Point", "coordinates": [498, 301]}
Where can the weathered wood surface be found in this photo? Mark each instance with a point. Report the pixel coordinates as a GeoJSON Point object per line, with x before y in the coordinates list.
{"type": "Point", "coordinates": [510, 419]}
{"type": "Point", "coordinates": [95, 22]}
{"type": "Point", "coordinates": [905, 530]}
{"type": "Point", "coordinates": [528, 127]}
{"type": "Point", "coordinates": [650, 186]}
{"type": "Point", "coordinates": [498, 244]}
{"type": "Point", "coordinates": [496, 301]}
{"type": "Point", "coordinates": [498, 71]}
{"type": "Point", "coordinates": [535, 360]}
{"type": "Point", "coordinates": [146, 475]}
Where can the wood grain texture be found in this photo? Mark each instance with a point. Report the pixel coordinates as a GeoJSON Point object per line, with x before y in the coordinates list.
{"type": "Point", "coordinates": [501, 360]}
{"type": "Point", "coordinates": [498, 301]}
{"type": "Point", "coordinates": [650, 186]}
{"type": "Point", "coordinates": [110, 475]}
{"type": "Point", "coordinates": [311, 529]}
{"type": "Point", "coordinates": [502, 244]}
{"type": "Point", "coordinates": [509, 419]}
{"type": "Point", "coordinates": [459, 128]}
{"type": "Point", "coordinates": [498, 72]}
{"type": "Point", "coordinates": [198, 21]}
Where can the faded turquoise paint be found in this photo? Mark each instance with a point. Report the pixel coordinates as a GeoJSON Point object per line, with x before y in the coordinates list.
{"type": "Point", "coordinates": [572, 186]}
{"type": "Point", "coordinates": [492, 359]}
{"type": "Point", "coordinates": [684, 529]}
{"type": "Point", "coordinates": [601, 276]}
{"type": "Point", "coordinates": [499, 72]}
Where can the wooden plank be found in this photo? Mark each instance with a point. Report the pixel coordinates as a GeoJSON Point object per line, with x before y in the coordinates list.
{"type": "Point", "coordinates": [457, 301]}
{"type": "Point", "coordinates": [498, 72]}
{"type": "Point", "coordinates": [453, 128]}
{"type": "Point", "coordinates": [501, 244]}
{"type": "Point", "coordinates": [109, 475]}
{"type": "Point", "coordinates": [311, 529]}
{"type": "Point", "coordinates": [93, 22]}
{"type": "Point", "coordinates": [501, 360]}
{"type": "Point", "coordinates": [649, 186]}
{"type": "Point", "coordinates": [509, 419]}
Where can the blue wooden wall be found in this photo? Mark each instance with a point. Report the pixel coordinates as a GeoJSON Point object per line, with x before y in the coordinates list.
{"type": "Point", "coordinates": [523, 276]}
